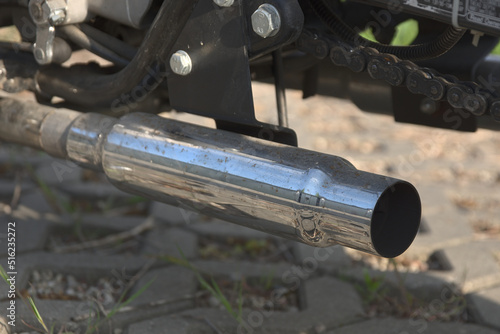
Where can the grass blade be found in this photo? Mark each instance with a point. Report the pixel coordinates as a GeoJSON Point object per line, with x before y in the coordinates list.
{"type": "Point", "coordinates": [4, 275]}
{"type": "Point", "coordinates": [120, 305]}
{"type": "Point", "coordinates": [37, 314]}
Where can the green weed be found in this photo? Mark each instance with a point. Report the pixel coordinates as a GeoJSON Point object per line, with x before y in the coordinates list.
{"type": "Point", "coordinates": [91, 327]}
{"type": "Point", "coordinates": [212, 287]}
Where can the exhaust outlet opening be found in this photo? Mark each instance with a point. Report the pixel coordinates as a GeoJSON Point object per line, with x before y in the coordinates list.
{"type": "Point", "coordinates": [395, 219]}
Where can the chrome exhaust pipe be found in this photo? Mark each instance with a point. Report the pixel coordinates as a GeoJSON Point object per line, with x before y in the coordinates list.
{"type": "Point", "coordinates": [314, 198]}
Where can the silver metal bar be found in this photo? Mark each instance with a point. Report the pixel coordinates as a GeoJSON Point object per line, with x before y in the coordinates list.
{"type": "Point", "coordinates": [129, 12]}
{"type": "Point", "coordinates": [294, 193]}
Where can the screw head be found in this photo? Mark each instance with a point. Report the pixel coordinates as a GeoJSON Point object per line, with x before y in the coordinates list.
{"type": "Point", "coordinates": [266, 21]}
{"type": "Point", "coordinates": [181, 63]}
{"type": "Point", "coordinates": [224, 3]}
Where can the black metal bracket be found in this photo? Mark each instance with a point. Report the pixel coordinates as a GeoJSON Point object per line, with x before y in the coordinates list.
{"type": "Point", "coordinates": [417, 109]}
{"type": "Point", "coordinates": [292, 22]}
{"type": "Point", "coordinates": [219, 84]}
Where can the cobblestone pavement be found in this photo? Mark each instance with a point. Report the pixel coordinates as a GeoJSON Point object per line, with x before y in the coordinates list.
{"type": "Point", "coordinates": [98, 260]}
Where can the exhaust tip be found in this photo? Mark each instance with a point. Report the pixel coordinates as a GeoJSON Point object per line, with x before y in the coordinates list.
{"type": "Point", "coordinates": [396, 219]}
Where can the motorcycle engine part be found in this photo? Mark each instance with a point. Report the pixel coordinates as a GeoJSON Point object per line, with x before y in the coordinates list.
{"type": "Point", "coordinates": [140, 77]}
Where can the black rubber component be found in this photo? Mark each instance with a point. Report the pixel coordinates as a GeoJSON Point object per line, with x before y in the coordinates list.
{"type": "Point", "coordinates": [429, 50]}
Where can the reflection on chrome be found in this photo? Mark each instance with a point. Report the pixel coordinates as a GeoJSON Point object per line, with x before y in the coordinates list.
{"type": "Point", "coordinates": [298, 194]}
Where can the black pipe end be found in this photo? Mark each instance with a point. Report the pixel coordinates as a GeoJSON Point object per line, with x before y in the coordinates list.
{"type": "Point", "coordinates": [396, 219]}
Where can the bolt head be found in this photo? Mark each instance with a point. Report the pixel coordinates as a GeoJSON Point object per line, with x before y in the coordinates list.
{"type": "Point", "coordinates": [224, 3]}
{"type": "Point", "coordinates": [181, 63]}
{"type": "Point", "coordinates": [266, 21]}
{"type": "Point", "coordinates": [36, 10]}
{"type": "Point", "coordinates": [57, 17]}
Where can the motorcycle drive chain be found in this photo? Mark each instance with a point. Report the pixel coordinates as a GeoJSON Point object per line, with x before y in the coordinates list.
{"type": "Point", "coordinates": [466, 95]}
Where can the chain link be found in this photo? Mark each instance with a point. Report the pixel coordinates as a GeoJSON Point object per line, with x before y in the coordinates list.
{"type": "Point", "coordinates": [466, 95]}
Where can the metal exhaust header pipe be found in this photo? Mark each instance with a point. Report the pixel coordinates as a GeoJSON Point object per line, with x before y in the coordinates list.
{"type": "Point", "coordinates": [314, 198]}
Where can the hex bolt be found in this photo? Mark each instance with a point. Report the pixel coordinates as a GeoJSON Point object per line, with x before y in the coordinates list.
{"type": "Point", "coordinates": [181, 63]}
{"type": "Point", "coordinates": [224, 3]}
{"type": "Point", "coordinates": [57, 17]}
{"type": "Point", "coordinates": [266, 21]}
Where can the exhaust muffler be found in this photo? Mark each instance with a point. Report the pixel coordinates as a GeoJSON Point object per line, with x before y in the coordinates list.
{"type": "Point", "coordinates": [314, 198]}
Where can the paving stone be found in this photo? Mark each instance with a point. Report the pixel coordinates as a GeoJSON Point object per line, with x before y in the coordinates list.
{"type": "Point", "coordinates": [57, 313]}
{"type": "Point", "coordinates": [331, 259]}
{"type": "Point", "coordinates": [220, 228]}
{"type": "Point", "coordinates": [485, 306]}
{"type": "Point", "coordinates": [172, 324]}
{"type": "Point", "coordinates": [25, 213]}
{"type": "Point", "coordinates": [85, 266]}
{"type": "Point", "coordinates": [445, 227]}
{"type": "Point", "coordinates": [92, 190]}
{"type": "Point", "coordinates": [172, 214]}
{"type": "Point", "coordinates": [168, 285]}
{"type": "Point", "coordinates": [410, 326]}
{"type": "Point", "coordinates": [472, 266]}
{"type": "Point", "coordinates": [22, 156]}
{"type": "Point", "coordinates": [36, 200]}
{"type": "Point", "coordinates": [426, 286]}
{"type": "Point", "coordinates": [59, 171]}
{"type": "Point", "coordinates": [237, 269]}
{"type": "Point", "coordinates": [7, 188]}
{"type": "Point", "coordinates": [142, 313]}
{"type": "Point", "coordinates": [318, 313]}
{"type": "Point", "coordinates": [169, 241]}
{"type": "Point", "coordinates": [118, 223]}
{"type": "Point", "coordinates": [31, 235]}
{"type": "Point", "coordinates": [433, 197]}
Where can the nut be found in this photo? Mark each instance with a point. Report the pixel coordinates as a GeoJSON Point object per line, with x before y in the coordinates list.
{"type": "Point", "coordinates": [266, 21]}
{"type": "Point", "coordinates": [181, 63]}
{"type": "Point", "coordinates": [58, 16]}
{"type": "Point", "coordinates": [224, 3]}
